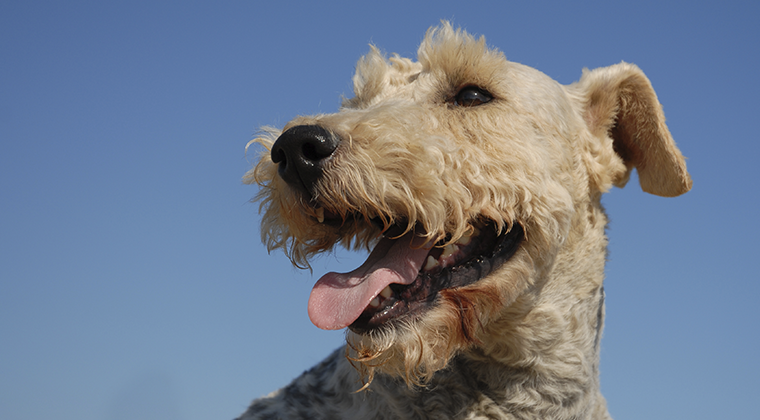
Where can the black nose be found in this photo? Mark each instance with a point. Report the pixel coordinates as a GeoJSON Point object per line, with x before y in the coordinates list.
{"type": "Point", "coordinates": [301, 153]}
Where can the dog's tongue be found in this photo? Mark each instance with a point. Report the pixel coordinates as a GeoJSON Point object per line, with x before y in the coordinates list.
{"type": "Point", "coordinates": [338, 299]}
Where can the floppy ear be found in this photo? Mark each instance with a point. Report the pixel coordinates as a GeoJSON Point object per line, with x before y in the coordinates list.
{"type": "Point", "coordinates": [620, 105]}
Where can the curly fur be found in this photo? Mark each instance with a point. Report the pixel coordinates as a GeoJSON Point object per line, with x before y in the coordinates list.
{"type": "Point", "coordinates": [523, 341]}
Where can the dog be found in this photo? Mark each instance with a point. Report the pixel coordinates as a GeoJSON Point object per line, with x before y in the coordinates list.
{"type": "Point", "coordinates": [476, 184]}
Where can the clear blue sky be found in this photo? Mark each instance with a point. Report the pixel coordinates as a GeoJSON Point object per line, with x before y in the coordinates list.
{"type": "Point", "coordinates": [132, 281]}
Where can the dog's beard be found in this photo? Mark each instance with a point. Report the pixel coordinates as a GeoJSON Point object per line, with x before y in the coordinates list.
{"type": "Point", "coordinates": [415, 350]}
{"type": "Point", "coordinates": [405, 350]}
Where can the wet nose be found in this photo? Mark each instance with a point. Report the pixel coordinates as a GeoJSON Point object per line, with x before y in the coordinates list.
{"type": "Point", "coordinates": [301, 152]}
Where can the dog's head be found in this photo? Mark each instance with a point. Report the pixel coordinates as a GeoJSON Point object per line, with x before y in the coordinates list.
{"type": "Point", "coordinates": [466, 175]}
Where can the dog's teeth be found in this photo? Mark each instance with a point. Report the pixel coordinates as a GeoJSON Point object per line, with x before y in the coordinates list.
{"type": "Point", "coordinates": [386, 293]}
{"type": "Point", "coordinates": [464, 240]}
{"type": "Point", "coordinates": [449, 250]}
{"type": "Point", "coordinates": [431, 263]}
{"type": "Point", "coordinates": [375, 302]}
{"type": "Point", "coordinates": [320, 214]}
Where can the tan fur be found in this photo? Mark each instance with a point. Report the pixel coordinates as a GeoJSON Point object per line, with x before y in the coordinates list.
{"type": "Point", "coordinates": [523, 341]}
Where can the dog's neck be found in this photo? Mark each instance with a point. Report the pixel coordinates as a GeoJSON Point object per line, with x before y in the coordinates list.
{"type": "Point", "coordinates": [545, 350]}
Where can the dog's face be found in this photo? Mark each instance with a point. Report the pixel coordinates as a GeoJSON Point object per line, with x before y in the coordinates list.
{"type": "Point", "coordinates": [463, 172]}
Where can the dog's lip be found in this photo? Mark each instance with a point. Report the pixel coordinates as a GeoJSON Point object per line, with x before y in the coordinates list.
{"type": "Point", "coordinates": [488, 251]}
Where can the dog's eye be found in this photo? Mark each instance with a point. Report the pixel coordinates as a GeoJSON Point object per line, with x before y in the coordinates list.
{"type": "Point", "coordinates": [472, 96]}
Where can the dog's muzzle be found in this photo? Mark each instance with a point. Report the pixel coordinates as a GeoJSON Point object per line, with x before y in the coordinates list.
{"type": "Point", "coordinates": [301, 153]}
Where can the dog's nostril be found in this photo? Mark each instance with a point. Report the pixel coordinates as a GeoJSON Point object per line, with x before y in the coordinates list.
{"type": "Point", "coordinates": [310, 152]}
{"type": "Point", "coordinates": [321, 146]}
{"type": "Point", "coordinates": [278, 156]}
{"type": "Point", "coordinates": [301, 152]}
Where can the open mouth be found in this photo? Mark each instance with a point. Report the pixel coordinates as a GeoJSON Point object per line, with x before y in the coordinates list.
{"type": "Point", "coordinates": [403, 276]}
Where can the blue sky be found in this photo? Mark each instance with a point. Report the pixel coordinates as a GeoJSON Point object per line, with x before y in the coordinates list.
{"type": "Point", "coordinates": [133, 284]}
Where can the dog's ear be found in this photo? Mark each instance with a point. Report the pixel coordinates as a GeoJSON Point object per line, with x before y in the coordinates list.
{"type": "Point", "coordinates": [619, 105]}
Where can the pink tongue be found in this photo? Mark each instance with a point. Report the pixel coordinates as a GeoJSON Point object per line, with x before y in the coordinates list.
{"type": "Point", "coordinates": [338, 299]}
